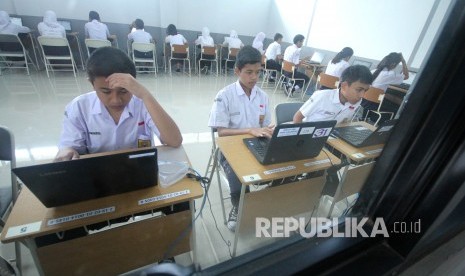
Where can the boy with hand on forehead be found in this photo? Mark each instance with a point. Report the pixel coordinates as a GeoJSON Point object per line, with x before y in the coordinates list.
{"type": "Point", "coordinates": [337, 104]}
{"type": "Point", "coordinates": [120, 114]}
{"type": "Point", "coordinates": [241, 108]}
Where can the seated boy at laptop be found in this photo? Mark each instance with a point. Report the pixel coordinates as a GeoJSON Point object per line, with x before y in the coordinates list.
{"type": "Point", "coordinates": [120, 114]}
{"type": "Point", "coordinates": [241, 108]}
{"type": "Point", "coordinates": [337, 104]}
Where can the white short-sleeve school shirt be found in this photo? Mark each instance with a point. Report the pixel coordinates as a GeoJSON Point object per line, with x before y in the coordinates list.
{"type": "Point", "coordinates": [273, 50]}
{"type": "Point", "coordinates": [292, 54]}
{"type": "Point", "coordinates": [336, 69]}
{"type": "Point", "coordinates": [387, 77]}
{"type": "Point", "coordinates": [140, 36]}
{"type": "Point", "coordinates": [233, 42]}
{"type": "Point", "coordinates": [12, 28]}
{"type": "Point", "coordinates": [55, 31]}
{"type": "Point", "coordinates": [175, 39]}
{"type": "Point", "coordinates": [233, 109]}
{"type": "Point", "coordinates": [89, 128]}
{"type": "Point", "coordinates": [96, 30]}
{"type": "Point", "coordinates": [325, 105]}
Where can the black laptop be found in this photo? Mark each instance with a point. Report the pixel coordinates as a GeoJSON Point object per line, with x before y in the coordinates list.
{"type": "Point", "coordinates": [360, 136]}
{"type": "Point", "coordinates": [291, 142]}
{"type": "Point", "coordinates": [61, 183]}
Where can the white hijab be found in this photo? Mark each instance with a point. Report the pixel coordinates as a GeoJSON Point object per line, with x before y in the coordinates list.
{"type": "Point", "coordinates": [50, 19]}
{"type": "Point", "coordinates": [233, 34]}
{"type": "Point", "coordinates": [205, 33]}
{"type": "Point", "coordinates": [258, 41]}
{"type": "Point", "coordinates": [4, 20]}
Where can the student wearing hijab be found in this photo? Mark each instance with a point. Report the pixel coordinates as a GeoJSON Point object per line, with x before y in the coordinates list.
{"type": "Point", "coordinates": [258, 42]}
{"type": "Point", "coordinates": [205, 40]}
{"type": "Point", "coordinates": [233, 41]}
{"type": "Point", "coordinates": [50, 26]}
{"type": "Point", "coordinates": [8, 27]}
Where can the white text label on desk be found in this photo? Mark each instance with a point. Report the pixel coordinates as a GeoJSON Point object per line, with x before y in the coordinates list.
{"type": "Point", "coordinates": [163, 197]}
{"type": "Point", "coordinates": [23, 229]}
{"type": "Point", "coordinates": [316, 162]}
{"type": "Point", "coordinates": [283, 169]}
{"type": "Point", "coordinates": [81, 215]}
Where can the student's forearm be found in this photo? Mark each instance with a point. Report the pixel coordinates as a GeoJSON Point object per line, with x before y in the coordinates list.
{"type": "Point", "coordinates": [169, 131]}
{"type": "Point", "coordinates": [298, 117]}
{"type": "Point", "coordinates": [405, 69]}
{"type": "Point", "coordinates": [233, 131]}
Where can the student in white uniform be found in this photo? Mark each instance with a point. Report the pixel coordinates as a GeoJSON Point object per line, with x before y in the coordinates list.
{"type": "Point", "coordinates": [339, 63]}
{"type": "Point", "coordinates": [8, 27]}
{"type": "Point", "coordinates": [337, 104]}
{"type": "Point", "coordinates": [233, 41]}
{"type": "Point", "coordinates": [384, 75]}
{"type": "Point", "coordinates": [292, 55]}
{"type": "Point", "coordinates": [95, 29]}
{"type": "Point", "coordinates": [241, 108]}
{"type": "Point", "coordinates": [258, 42]}
{"type": "Point", "coordinates": [174, 38]}
{"type": "Point", "coordinates": [50, 26]}
{"type": "Point", "coordinates": [205, 40]}
{"type": "Point", "coordinates": [273, 53]}
{"type": "Point", "coordinates": [120, 114]}
{"type": "Point", "coordinates": [140, 36]}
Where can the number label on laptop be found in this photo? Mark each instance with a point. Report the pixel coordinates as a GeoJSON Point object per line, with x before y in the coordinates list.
{"type": "Point", "coordinates": [322, 132]}
{"type": "Point", "coordinates": [289, 131]}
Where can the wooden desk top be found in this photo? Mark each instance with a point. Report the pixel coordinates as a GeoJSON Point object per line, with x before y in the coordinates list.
{"type": "Point", "coordinates": [244, 163]}
{"type": "Point", "coordinates": [398, 89]}
{"type": "Point", "coordinates": [29, 210]}
{"type": "Point", "coordinates": [353, 153]}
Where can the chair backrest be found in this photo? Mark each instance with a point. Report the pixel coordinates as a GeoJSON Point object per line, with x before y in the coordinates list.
{"type": "Point", "coordinates": [209, 50]}
{"type": "Point", "coordinates": [179, 49]}
{"type": "Point", "coordinates": [11, 42]}
{"type": "Point", "coordinates": [354, 181]}
{"type": "Point", "coordinates": [232, 52]}
{"type": "Point", "coordinates": [328, 80]}
{"type": "Point", "coordinates": [264, 61]}
{"type": "Point", "coordinates": [52, 41]}
{"type": "Point", "coordinates": [288, 67]}
{"type": "Point", "coordinates": [7, 146]}
{"type": "Point", "coordinates": [7, 153]}
{"type": "Point", "coordinates": [374, 94]}
{"type": "Point", "coordinates": [143, 47]}
{"type": "Point", "coordinates": [97, 43]}
{"type": "Point", "coordinates": [285, 112]}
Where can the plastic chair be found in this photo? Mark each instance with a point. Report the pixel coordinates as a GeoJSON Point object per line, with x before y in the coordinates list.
{"type": "Point", "coordinates": [92, 44]}
{"type": "Point", "coordinates": [288, 69]}
{"type": "Point", "coordinates": [209, 51]}
{"type": "Point", "coordinates": [376, 95]}
{"type": "Point", "coordinates": [9, 193]}
{"type": "Point", "coordinates": [180, 52]}
{"type": "Point", "coordinates": [47, 41]}
{"type": "Point", "coordinates": [231, 57]}
{"type": "Point", "coordinates": [12, 47]}
{"type": "Point", "coordinates": [143, 62]}
{"type": "Point", "coordinates": [267, 72]}
{"type": "Point", "coordinates": [285, 112]}
{"type": "Point", "coordinates": [326, 80]}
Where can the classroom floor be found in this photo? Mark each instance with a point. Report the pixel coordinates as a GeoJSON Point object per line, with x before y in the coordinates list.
{"type": "Point", "coordinates": [32, 108]}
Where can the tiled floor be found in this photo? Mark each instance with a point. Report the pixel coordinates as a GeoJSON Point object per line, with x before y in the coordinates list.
{"type": "Point", "coordinates": [32, 108]}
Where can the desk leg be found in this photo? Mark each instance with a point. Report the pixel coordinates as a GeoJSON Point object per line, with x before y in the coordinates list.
{"type": "Point", "coordinates": [30, 243]}
{"type": "Point", "coordinates": [239, 217]}
{"type": "Point", "coordinates": [339, 189]}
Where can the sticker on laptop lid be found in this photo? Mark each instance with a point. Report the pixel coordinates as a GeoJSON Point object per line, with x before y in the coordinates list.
{"type": "Point", "coordinates": [251, 178]}
{"type": "Point", "coordinates": [385, 128]}
{"type": "Point", "coordinates": [322, 132]}
{"type": "Point", "coordinates": [132, 156]}
{"type": "Point", "coordinates": [306, 130]}
{"type": "Point", "coordinates": [290, 131]}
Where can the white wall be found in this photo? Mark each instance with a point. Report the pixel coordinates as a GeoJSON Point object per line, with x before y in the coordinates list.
{"type": "Point", "coordinates": [8, 6]}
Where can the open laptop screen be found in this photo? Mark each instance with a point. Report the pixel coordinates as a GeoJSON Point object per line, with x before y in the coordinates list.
{"type": "Point", "coordinates": [65, 24]}
{"type": "Point", "coordinates": [17, 21]}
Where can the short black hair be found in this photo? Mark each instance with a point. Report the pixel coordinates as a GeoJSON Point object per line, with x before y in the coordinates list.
{"type": "Point", "coordinates": [357, 73]}
{"type": "Point", "coordinates": [171, 30]}
{"type": "Point", "coordinates": [94, 15]}
{"type": "Point", "coordinates": [105, 61]}
{"type": "Point", "coordinates": [139, 24]}
{"type": "Point", "coordinates": [277, 36]}
{"type": "Point", "coordinates": [248, 55]}
{"type": "Point", "coordinates": [298, 38]}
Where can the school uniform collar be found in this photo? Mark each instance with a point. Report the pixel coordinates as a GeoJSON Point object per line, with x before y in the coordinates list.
{"type": "Point", "coordinates": [240, 91]}
{"type": "Point", "coordinates": [99, 108]}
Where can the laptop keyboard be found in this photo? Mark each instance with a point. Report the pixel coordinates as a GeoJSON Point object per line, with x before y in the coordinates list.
{"type": "Point", "coordinates": [353, 135]}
